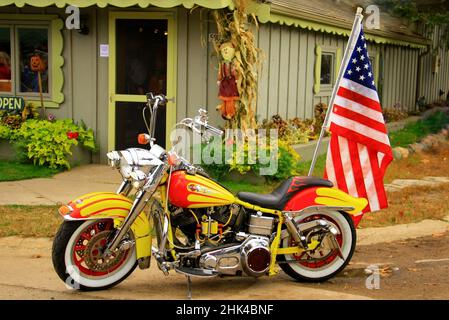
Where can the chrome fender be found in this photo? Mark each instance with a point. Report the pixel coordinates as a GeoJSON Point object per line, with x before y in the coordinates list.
{"type": "Point", "coordinates": [109, 205]}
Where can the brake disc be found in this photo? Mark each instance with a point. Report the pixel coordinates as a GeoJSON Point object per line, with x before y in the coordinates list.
{"type": "Point", "coordinates": [94, 253]}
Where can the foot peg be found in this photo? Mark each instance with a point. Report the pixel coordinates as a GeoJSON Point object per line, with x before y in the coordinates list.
{"type": "Point", "coordinates": [161, 264]}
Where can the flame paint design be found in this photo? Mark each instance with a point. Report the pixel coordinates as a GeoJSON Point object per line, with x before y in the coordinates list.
{"type": "Point", "coordinates": [325, 196]}
{"type": "Point", "coordinates": [196, 191]}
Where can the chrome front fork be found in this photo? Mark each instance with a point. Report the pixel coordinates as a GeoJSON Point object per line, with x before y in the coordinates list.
{"type": "Point", "coordinates": [139, 204]}
{"type": "Point", "coordinates": [125, 188]}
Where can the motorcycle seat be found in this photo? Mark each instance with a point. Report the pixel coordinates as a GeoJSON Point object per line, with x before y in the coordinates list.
{"type": "Point", "coordinates": [283, 193]}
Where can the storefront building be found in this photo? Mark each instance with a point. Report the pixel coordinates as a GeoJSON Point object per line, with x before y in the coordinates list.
{"type": "Point", "coordinates": [122, 49]}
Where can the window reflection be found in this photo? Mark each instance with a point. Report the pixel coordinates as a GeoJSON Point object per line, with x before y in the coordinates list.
{"type": "Point", "coordinates": [326, 68]}
{"type": "Point", "coordinates": [33, 42]}
{"type": "Point", "coordinates": [5, 60]}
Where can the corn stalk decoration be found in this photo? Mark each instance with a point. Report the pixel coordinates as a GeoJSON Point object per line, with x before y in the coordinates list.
{"type": "Point", "coordinates": [235, 28]}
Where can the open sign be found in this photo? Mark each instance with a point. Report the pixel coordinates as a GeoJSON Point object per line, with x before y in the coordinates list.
{"type": "Point", "coordinates": [12, 103]}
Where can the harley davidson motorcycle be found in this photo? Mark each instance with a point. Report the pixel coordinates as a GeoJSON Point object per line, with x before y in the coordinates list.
{"type": "Point", "coordinates": [200, 228]}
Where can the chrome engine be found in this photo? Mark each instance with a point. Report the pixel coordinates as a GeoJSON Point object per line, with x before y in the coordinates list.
{"type": "Point", "coordinates": [252, 257]}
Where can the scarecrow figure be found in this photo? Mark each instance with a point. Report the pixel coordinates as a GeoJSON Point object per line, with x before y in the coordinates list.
{"type": "Point", "coordinates": [227, 82]}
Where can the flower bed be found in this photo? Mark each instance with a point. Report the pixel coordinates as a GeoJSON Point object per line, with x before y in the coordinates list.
{"type": "Point", "coordinates": [52, 143]}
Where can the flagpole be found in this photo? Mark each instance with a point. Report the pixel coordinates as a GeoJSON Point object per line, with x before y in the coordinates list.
{"type": "Point", "coordinates": [357, 20]}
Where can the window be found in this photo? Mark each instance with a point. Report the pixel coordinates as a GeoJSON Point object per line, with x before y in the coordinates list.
{"type": "Point", "coordinates": [5, 60]}
{"type": "Point", "coordinates": [327, 68]}
{"type": "Point", "coordinates": [24, 48]}
{"type": "Point", "coordinates": [327, 62]}
{"type": "Point", "coordinates": [32, 42]}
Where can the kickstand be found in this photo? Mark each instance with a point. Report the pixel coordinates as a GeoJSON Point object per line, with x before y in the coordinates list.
{"type": "Point", "coordinates": [189, 288]}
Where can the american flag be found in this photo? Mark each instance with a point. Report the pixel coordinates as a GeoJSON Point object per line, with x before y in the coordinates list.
{"type": "Point", "coordinates": [359, 150]}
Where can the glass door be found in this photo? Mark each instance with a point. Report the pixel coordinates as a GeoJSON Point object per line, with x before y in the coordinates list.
{"type": "Point", "coordinates": [140, 62]}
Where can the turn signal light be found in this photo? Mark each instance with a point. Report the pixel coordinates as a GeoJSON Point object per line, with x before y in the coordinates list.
{"type": "Point", "coordinates": [64, 210]}
{"type": "Point", "coordinates": [173, 159]}
{"type": "Point", "coordinates": [143, 138]}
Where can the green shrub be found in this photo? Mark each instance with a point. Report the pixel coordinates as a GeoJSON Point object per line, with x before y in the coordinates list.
{"type": "Point", "coordinates": [286, 157]}
{"type": "Point", "coordinates": [48, 143]}
{"type": "Point", "coordinates": [5, 132]}
{"type": "Point", "coordinates": [413, 132]}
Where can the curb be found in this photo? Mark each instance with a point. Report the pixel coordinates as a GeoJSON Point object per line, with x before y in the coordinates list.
{"type": "Point", "coordinates": [400, 232]}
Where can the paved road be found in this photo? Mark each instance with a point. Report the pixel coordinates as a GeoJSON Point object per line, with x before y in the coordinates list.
{"type": "Point", "coordinates": [26, 272]}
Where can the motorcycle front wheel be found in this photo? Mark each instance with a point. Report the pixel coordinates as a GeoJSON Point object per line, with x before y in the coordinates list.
{"type": "Point", "coordinates": [322, 263]}
{"type": "Point", "coordinates": [77, 256]}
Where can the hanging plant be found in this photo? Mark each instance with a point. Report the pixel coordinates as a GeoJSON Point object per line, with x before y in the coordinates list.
{"type": "Point", "coordinates": [240, 67]}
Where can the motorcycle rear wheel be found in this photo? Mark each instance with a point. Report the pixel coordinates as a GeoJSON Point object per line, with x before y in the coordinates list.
{"type": "Point", "coordinates": [318, 266]}
{"type": "Point", "coordinates": [77, 259]}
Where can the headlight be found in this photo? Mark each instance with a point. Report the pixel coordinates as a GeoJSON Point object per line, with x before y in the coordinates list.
{"type": "Point", "coordinates": [133, 160]}
{"type": "Point", "coordinates": [126, 170]}
{"type": "Point", "coordinates": [139, 178]}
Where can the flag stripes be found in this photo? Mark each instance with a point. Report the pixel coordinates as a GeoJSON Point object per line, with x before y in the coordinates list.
{"type": "Point", "coordinates": [359, 150]}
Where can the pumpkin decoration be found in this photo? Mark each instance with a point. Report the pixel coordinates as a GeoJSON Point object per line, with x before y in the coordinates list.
{"type": "Point", "coordinates": [227, 81]}
{"type": "Point", "coordinates": [37, 64]}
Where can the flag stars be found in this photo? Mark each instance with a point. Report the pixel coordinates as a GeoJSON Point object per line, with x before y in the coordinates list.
{"type": "Point", "coordinates": [359, 68]}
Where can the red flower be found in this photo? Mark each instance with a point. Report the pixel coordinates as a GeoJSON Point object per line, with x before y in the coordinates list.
{"type": "Point", "coordinates": [72, 135]}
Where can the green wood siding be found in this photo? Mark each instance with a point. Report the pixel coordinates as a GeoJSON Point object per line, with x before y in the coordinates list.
{"type": "Point", "coordinates": [431, 83]}
{"type": "Point", "coordinates": [287, 79]}
{"type": "Point", "coordinates": [398, 84]}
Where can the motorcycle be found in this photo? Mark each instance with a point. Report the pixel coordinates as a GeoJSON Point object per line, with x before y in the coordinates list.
{"type": "Point", "coordinates": [201, 229]}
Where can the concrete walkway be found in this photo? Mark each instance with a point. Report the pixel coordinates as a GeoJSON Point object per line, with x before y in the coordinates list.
{"type": "Point", "coordinates": [399, 184]}
{"type": "Point", "coordinates": [61, 188]}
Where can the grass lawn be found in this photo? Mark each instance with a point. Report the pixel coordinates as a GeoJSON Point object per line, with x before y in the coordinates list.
{"type": "Point", "coordinates": [14, 170]}
{"type": "Point", "coordinates": [248, 187]}
{"type": "Point", "coordinates": [409, 205]}
{"type": "Point", "coordinates": [415, 131]}
{"type": "Point", "coordinates": [319, 166]}
{"type": "Point", "coordinates": [29, 221]}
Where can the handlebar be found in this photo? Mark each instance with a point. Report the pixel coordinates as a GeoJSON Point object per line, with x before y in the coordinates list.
{"type": "Point", "coordinates": [160, 99]}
